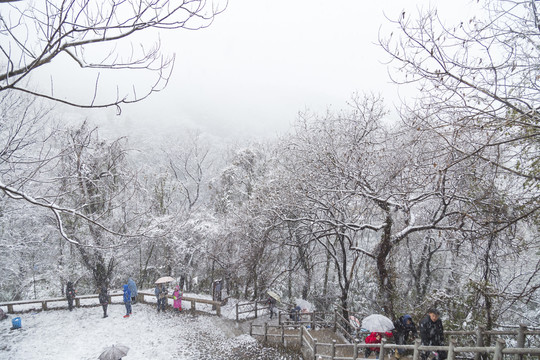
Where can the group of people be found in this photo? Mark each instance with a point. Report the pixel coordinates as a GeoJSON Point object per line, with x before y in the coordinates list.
{"type": "Point", "coordinates": [162, 292]}
{"type": "Point", "coordinates": [431, 334]}
{"type": "Point", "coordinates": [129, 296]}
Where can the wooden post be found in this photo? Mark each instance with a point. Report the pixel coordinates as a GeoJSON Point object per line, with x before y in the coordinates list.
{"type": "Point", "coordinates": [381, 353]}
{"type": "Point", "coordinates": [218, 310]}
{"type": "Point", "coordinates": [236, 311]}
{"type": "Point", "coordinates": [416, 354]}
{"type": "Point", "coordinates": [283, 335]}
{"type": "Point", "coordinates": [77, 302]}
{"type": "Point", "coordinates": [265, 332]}
{"type": "Point", "coordinates": [314, 349]}
{"type": "Point", "coordinates": [335, 320]}
{"type": "Point", "coordinates": [44, 305]}
{"type": "Point", "coordinates": [193, 306]}
{"type": "Point", "coordinates": [255, 309]}
{"type": "Point", "coordinates": [301, 336]}
{"type": "Point", "coordinates": [479, 342]}
{"type": "Point", "coordinates": [333, 349]}
{"type": "Point", "coordinates": [313, 321]}
{"type": "Point", "coordinates": [279, 318]}
{"type": "Point", "coordinates": [10, 308]}
{"type": "Point", "coordinates": [109, 299]}
{"type": "Point", "coordinates": [355, 349]}
{"type": "Point", "coordinates": [521, 340]}
{"type": "Point", "coordinates": [451, 346]}
{"type": "Point", "coordinates": [498, 350]}
{"type": "Point", "coordinates": [251, 329]}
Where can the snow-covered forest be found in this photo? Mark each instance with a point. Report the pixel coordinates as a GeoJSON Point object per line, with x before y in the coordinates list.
{"type": "Point", "coordinates": [376, 212]}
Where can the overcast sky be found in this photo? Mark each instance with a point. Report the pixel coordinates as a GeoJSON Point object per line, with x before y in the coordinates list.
{"type": "Point", "coordinates": [262, 61]}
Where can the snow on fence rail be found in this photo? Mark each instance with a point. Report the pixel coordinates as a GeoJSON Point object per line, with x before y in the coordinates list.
{"type": "Point", "coordinates": [312, 349]}
{"type": "Point", "coordinates": [93, 300]}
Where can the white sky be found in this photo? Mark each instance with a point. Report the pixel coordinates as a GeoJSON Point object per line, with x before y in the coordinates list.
{"type": "Point", "coordinates": [262, 61]}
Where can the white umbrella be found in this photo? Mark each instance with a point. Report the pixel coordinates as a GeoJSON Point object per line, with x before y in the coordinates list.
{"type": "Point", "coordinates": [274, 295]}
{"type": "Point", "coordinates": [114, 352]}
{"type": "Point", "coordinates": [164, 279]}
{"type": "Point", "coordinates": [377, 323]}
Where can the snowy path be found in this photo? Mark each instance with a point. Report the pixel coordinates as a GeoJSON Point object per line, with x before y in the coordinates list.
{"type": "Point", "coordinates": [83, 333]}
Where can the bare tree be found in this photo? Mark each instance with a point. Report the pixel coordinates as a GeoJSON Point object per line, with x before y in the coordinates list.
{"type": "Point", "coordinates": [480, 74]}
{"type": "Point", "coordinates": [95, 36]}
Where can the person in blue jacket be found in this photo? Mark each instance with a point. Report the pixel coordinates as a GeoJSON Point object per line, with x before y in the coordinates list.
{"type": "Point", "coordinates": [127, 300]}
{"type": "Point", "coordinates": [133, 288]}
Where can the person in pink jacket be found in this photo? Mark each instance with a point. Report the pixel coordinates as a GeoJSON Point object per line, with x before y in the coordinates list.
{"type": "Point", "coordinates": [177, 296]}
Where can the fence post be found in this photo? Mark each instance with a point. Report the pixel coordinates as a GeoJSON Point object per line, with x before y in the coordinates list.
{"type": "Point", "coordinates": [44, 305]}
{"type": "Point", "coordinates": [193, 306]}
{"type": "Point", "coordinates": [10, 308]}
{"type": "Point", "coordinates": [265, 332]}
{"type": "Point", "coordinates": [314, 349]}
{"type": "Point", "coordinates": [521, 340]}
{"type": "Point", "coordinates": [416, 354]}
{"type": "Point", "coordinates": [77, 302]}
{"type": "Point", "coordinates": [313, 320]}
{"type": "Point", "coordinates": [251, 329]}
{"type": "Point", "coordinates": [333, 349]}
{"type": "Point", "coordinates": [218, 309]}
{"type": "Point", "coordinates": [236, 311]}
{"type": "Point", "coordinates": [301, 336]}
{"type": "Point", "coordinates": [498, 350]}
{"type": "Point", "coordinates": [381, 354]}
{"type": "Point", "coordinates": [255, 309]}
{"type": "Point", "coordinates": [451, 345]}
{"type": "Point", "coordinates": [283, 334]}
{"type": "Point", "coordinates": [335, 320]}
{"type": "Point", "coordinates": [355, 349]}
{"type": "Point", "coordinates": [279, 318]}
{"type": "Point", "coordinates": [479, 342]}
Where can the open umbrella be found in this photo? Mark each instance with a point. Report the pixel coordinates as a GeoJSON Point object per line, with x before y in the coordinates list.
{"type": "Point", "coordinates": [274, 295]}
{"type": "Point", "coordinates": [114, 352]}
{"type": "Point", "coordinates": [164, 279]}
{"type": "Point", "coordinates": [377, 323]}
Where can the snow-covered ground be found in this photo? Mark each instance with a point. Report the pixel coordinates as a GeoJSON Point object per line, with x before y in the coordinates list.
{"type": "Point", "coordinates": [83, 334]}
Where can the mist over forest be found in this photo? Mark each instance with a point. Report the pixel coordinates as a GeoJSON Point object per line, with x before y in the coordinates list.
{"type": "Point", "coordinates": [373, 208]}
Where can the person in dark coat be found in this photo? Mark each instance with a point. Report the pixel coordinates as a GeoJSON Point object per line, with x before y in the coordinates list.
{"type": "Point", "coordinates": [127, 300]}
{"type": "Point", "coordinates": [271, 302]}
{"type": "Point", "coordinates": [432, 333]}
{"type": "Point", "coordinates": [70, 295]}
{"type": "Point", "coordinates": [133, 288]}
{"type": "Point", "coordinates": [161, 295]}
{"type": "Point", "coordinates": [104, 300]}
{"type": "Point", "coordinates": [403, 328]}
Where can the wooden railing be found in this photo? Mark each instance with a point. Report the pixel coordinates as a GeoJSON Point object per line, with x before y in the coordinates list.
{"type": "Point", "coordinates": [43, 303]}
{"type": "Point", "coordinates": [255, 307]}
{"type": "Point", "coordinates": [312, 349]}
{"type": "Point", "coordinates": [193, 301]}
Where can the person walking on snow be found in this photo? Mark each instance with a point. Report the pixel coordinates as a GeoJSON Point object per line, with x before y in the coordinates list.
{"type": "Point", "coordinates": [432, 333]}
{"type": "Point", "coordinates": [133, 288]}
{"type": "Point", "coordinates": [127, 300]}
{"type": "Point", "coordinates": [104, 300]}
{"type": "Point", "coordinates": [403, 327]}
{"type": "Point", "coordinates": [271, 305]}
{"type": "Point", "coordinates": [177, 296]}
{"type": "Point", "coordinates": [161, 295]}
{"type": "Point", "coordinates": [70, 294]}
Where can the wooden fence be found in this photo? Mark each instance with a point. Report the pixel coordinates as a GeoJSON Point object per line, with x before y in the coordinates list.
{"type": "Point", "coordinates": [43, 303]}
{"type": "Point", "coordinates": [312, 349]}
{"type": "Point", "coordinates": [254, 307]}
